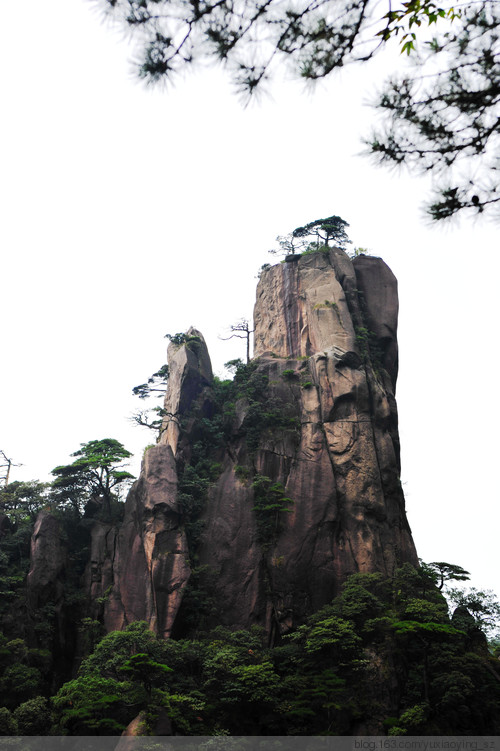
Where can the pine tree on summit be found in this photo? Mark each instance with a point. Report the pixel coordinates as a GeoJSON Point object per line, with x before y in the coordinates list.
{"type": "Point", "coordinates": [314, 235]}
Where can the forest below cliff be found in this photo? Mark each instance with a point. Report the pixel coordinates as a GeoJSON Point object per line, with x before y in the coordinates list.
{"type": "Point", "coordinates": [387, 655]}
{"type": "Point", "coordinates": [381, 644]}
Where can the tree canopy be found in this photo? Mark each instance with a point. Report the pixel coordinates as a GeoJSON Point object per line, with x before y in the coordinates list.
{"type": "Point", "coordinates": [442, 572]}
{"type": "Point", "coordinates": [96, 471]}
{"type": "Point", "coordinates": [23, 500]}
{"type": "Point", "coordinates": [156, 385]}
{"type": "Point", "coordinates": [253, 37]}
{"type": "Point", "coordinates": [321, 678]}
{"type": "Point", "coordinates": [442, 116]}
{"type": "Point", "coordinates": [314, 235]}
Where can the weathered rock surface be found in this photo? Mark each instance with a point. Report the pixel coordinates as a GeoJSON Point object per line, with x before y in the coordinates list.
{"type": "Point", "coordinates": [302, 307]}
{"type": "Point", "coordinates": [326, 348]}
{"type": "Point", "coordinates": [378, 294]}
{"type": "Point", "coordinates": [48, 557]}
{"type": "Point", "coordinates": [342, 468]}
{"type": "Point", "coordinates": [142, 568]}
{"type": "Point", "coordinates": [139, 570]}
{"type": "Point", "coordinates": [45, 587]}
{"type": "Point", "coordinates": [190, 372]}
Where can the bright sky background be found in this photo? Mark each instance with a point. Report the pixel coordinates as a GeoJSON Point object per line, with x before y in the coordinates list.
{"type": "Point", "coordinates": [128, 213]}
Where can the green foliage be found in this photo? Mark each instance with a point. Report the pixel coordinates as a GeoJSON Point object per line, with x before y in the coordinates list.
{"type": "Point", "coordinates": [263, 268]}
{"type": "Point", "coordinates": [255, 39]}
{"type": "Point", "coordinates": [325, 231]}
{"type": "Point", "coordinates": [413, 13]}
{"type": "Point", "coordinates": [270, 501]}
{"type": "Point", "coordinates": [195, 478]}
{"type": "Point", "coordinates": [313, 247]}
{"type": "Point", "coordinates": [14, 566]}
{"type": "Point", "coordinates": [91, 632]}
{"type": "Point", "coordinates": [358, 251]}
{"type": "Point", "coordinates": [152, 418]}
{"type": "Point", "coordinates": [200, 602]}
{"type": "Point", "coordinates": [182, 338]}
{"type": "Point", "coordinates": [155, 383]}
{"type": "Point", "coordinates": [93, 705]}
{"type": "Point", "coordinates": [33, 717]}
{"type": "Point", "coordinates": [332, 635]}
{"type": "Point", "coordinates": [440, 117]}
{"type": "Point", "coordinates": [412, 721]}
{"type": "Point", "coordinates": [265, 413]}
{"type": "Point", "coordinates": [8, 725]}
{"type": "Point", "coordinates": [327, 674]}
{"type": "Point", "coordinates": [368, 345]}
{"type": "Point", "coordinates": [326, 304]}
{"type": "Point", "coordinates": [315, 237]}
{"type": "Point", "coordinates": [241, 472]}
{"type": "Point", "coordinates": [178, 339]}
{"type": "Point", "coordinates": [443, 572]}
{"type": "Point", "coordinates": [116, 647]}
{"type": "Point", "coordinates": [142, 669]}
{"type": "Point", "coordinates": [362, 598]}
{"type": "Point", "coordinates": [427, 137]}
{"type": "Point", "coordinates": [19, 682]}
{"type": "Point", "coordinates": [482, 604]}
{"type": "Point", "coordinates": [22, 501]}
{"type": "Point", "coordinates": [95, 472]}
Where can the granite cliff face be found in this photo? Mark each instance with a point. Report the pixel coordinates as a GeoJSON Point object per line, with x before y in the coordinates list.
{"type": "Point", "coordinates": [321, 468]}
{"type": "Point", "coordinates": [316, 321]}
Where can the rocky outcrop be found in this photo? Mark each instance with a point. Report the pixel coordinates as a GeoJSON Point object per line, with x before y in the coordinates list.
{"type": "Point", "coordinates": [48, 559]}
{"type": "Point", "coordinates": [302, 307]}
{"type": "Point", "coordinates": [139, 570]}
{"type": "Point", "coordinates": [46, 588]}
{"type": "Point", "coordinates": [324, 363]}
{"type": "Point", "coordinates": [306, 487]}
{"type": "Point", "coordinates": [378, 296]}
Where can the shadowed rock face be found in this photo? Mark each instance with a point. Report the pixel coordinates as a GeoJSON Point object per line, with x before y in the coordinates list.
{"type": "Point", "coordinates": [142, 568]}
{"type": "Point", "coordinates": [45, 588]}
{"type": "Point", "coordinates": [48, 559]}
{"type": "Point", "coordinates": [326, 349]}
{"type": "Point", "coordinates": [378, 294]}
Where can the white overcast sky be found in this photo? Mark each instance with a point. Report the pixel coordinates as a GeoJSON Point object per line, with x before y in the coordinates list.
{"type": "Point", "coordinates": [128, 213]}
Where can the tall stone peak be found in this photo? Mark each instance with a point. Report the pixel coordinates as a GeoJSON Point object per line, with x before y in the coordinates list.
{"type": "Point", "coordinates": [313, 303]}
{"type": "Point", "coordinates": [190, 371]}
{"type": "Point", "coordinates": [301, 307]}
{"type": "Point", "coordinates": [261, 499]}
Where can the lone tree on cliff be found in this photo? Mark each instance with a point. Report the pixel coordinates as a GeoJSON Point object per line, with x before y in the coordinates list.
{"type": "Point", "coordinates": [95, 473]}
{"type": "Point", "coordinates": [241, 330]}
{"type": "Point", "coordinates": [320, 232]}
{"type": "Point", "coordinates": [5, 466]}
{"type": "Point", "coordinates": [156, 385]}
{"type": "Point", "coordinates": [442, 115]}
